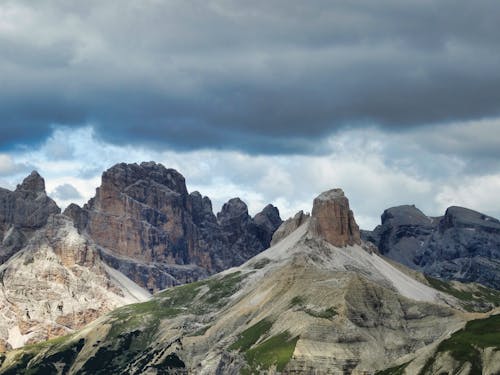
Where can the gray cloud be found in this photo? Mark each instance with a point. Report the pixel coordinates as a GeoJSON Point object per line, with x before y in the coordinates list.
{"type": "Point", "coordinates": [263, 77]}
{"type": "Point", "coordinates": [66, 192]}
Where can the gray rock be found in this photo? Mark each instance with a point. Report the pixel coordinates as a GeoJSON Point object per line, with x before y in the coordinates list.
{"type": "Point", "coordinates": [462, 245]}
{"type": "Point", "coordinates": [152, 230]}
{"type": "Point", "coordinates": [22, 212]}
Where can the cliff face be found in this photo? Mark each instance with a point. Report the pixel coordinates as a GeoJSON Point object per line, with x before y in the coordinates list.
{"type": "Point", "coordinates": [302, 306]}
{"type": "Point", "coordinates": [55, 284]}
{"type": "Point", "coordinates": [151, 229]}
{"type": "Point", "coordinates": [22, 212]}
{"type": "Point", "coordinates": [333, 220]}
{"type": "Point", "coordinates": [462, 245]}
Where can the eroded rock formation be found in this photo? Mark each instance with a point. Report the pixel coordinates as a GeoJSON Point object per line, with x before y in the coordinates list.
{"type": "Point", "coordinates": [332, 219]}
{"type": "Point", "coordinates": [22, 212]}
{"type": "Point", "coordinates": [151, 229]}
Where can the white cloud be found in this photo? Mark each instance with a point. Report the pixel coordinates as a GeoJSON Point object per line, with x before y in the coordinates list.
{"type": "Point", "coordinates": [376, 172]}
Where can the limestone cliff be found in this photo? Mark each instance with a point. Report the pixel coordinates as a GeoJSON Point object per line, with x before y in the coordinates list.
{"type": "Point", "coordinates": [22, 212]}
{"type": "Point", "coordinates": [148, 226]}
{"type": "Point", "coordinates": [55, 284]}
{"type": "Point", "coordinates": [302, 306]}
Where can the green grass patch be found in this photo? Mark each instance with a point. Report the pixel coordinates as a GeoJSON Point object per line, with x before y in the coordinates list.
{"type": "Point", "coordinates": [277, 350]}
{"type": "Point", "coordinates": [464, 345]}
{"type": "Point", "coordinates": [328, 313]}
{"type": "Point", "coordinates": [297, 301]}
{"type": "Point", "coordinates": [261, 263]}
{"type": "Point", "coordinates": [396, 370]}
{"type": "Point", "coordinates": [470, 298]}
{"type": "Point", "coordinates": [251, 335]}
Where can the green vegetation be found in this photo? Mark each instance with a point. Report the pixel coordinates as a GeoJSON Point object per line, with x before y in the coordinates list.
{"type": "Point", "coordinates": [261, 263]}
{"type": "Point", "coordinates": [464, 345]}
{"type": "Point", "coordinates": [251, 335]}
{"type": "Point", "coordinates": [299, 302]}
{"type": "Point", "coordinates": [396, 370]}
{"type": "Point", "coordinates": [277, 350]}
{"type": "Point", "coordinates": [328, 313]}
{"type": "Point", "coordinates": [472, 299]}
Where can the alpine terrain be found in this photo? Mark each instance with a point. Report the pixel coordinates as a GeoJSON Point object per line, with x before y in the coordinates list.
{"type": "Point", "coordinates": [318, 301]}
{"type": "Point", "coordinates": [462, 245]}
{"type": "Point", "coordinates": [141, 233]}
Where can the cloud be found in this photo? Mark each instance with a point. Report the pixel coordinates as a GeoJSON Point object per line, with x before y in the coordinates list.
{"type": "Point", "coordinates": [377, 170]}
{"type": "Point", "coordinates": [8, 166]}
{"type": "Point", "coordinates": [267, 77]}
{"type": "Point", "coordinates": [66, 192]}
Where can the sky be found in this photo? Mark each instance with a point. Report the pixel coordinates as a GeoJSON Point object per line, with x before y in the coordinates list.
{"type": "Point", "coordinates": [271, 101]}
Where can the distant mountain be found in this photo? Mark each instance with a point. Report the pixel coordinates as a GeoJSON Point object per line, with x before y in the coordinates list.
{"type": "Point", "coordinates": [22, 212]}
{"type": "Point", "coordinates": [150, 228]}
{"type": "Point", "coordinates": [462, 245]}
{"type": "Point", "coordinates": [54, 280]}
{"type": "Point", "coordinates": [320, 301]}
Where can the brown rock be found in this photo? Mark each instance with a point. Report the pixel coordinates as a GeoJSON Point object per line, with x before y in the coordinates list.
{"type": "Point", "coordinates": [332, 219]}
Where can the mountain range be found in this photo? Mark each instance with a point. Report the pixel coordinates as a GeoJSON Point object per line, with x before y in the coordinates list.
{"type": "Point", "coordinates": [313, 294]}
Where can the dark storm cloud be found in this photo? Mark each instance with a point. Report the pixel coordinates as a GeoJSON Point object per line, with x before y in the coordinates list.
{"type": "Point", "coordinates": [262, 76]}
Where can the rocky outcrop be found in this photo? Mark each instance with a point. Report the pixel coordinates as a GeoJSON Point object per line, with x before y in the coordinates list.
{"type": "Point", "coordinates": [301, 307]}
{"type": "Point", "coordinates": [22, 212]}
{"type": "Point", "coordinates": [462, 245]}
{"type": "Point", "coordinates": [332, 219]}
{"type": "Point", "coordinates": [149, 227]}
{"type": "Point", "coordinates": [289, 226]}
{"type": "Point", "coordinates": [57, 283]}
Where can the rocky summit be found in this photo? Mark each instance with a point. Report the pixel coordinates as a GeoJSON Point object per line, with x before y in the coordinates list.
{"type": "Point", "coordinates": [22, 212]}
{"type": "Point", "coordinates": [316, 302]}
{"type": "Point", "coordinates": [150, 228]}
{"type": "Point", "coordinates": [462, 245]}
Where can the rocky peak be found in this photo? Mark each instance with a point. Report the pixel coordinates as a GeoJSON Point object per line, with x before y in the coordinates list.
{"type": "Point", "coordinates": [404, 215]}
{"type": "Point", "coordinates": [232, 210]}
{"type": "Point", "coordinates": [124, 175]}
{"type": "Point", "coordinates": [288, 226]}
{"type": "Point", "coordinates": [268, 217]}
{"type": "Point", "coordinates": [34, 182]}
{"type": "Point", "coordinates": [333, 220]}
{"type": "Point", "coordinates": [22, 212]}
{"type": "Point", "coordinates": [460, 217]}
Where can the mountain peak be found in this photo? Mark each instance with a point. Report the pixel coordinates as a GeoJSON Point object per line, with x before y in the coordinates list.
{"type": "Point", "coordinates": [33, 182]}
{"type": "Point", "coordinates": [332, 219]}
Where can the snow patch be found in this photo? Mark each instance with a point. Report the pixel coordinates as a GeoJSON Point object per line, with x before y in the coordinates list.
{"type": "Point", "coordinates": [16, 338]}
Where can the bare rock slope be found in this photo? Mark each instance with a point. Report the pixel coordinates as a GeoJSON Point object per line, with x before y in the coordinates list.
{"type": "Point", "coordinates": [302, 306]}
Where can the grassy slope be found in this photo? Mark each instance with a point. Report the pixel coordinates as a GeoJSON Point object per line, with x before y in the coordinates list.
{"type": "Point", "coordinates": [475, 298]}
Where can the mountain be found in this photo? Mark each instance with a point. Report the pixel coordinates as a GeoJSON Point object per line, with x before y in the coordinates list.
{"type": "Point", "coordinates": [147, 226]}
{"type": "Point", "coordinates": [22, 212]}
{"type": "Point", "coordinates": [56, 284]}
{"type": "Point", "coordinates": [320, 300]}
{"type": "Point", "coordinates": [462, 245]}
{"type": "Point", "coordinates": [141, 231]}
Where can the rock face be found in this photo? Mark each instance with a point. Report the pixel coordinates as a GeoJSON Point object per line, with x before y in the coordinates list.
{"type": "Point", "coordinates": [149, 227]}
{"type": "Point", "coordinates": [22, 212]}
{"type": "Point", "coordinates": [299, 307]}
{"type": "Point", "coordinates": [462, 245]}
{"type": "Point", "coordinates": [57, 283]}
{"type": "Point", "coordinates": [332, 219]}
{"type": "Point", "coordinates": [289, 226]}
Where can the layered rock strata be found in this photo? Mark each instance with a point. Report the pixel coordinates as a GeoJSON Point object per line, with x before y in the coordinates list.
{"type": "Point", "coordinates": [149, 227]}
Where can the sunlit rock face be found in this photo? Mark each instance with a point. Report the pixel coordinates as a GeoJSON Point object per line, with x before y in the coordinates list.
{"type": "Point", "coordinates": [149, 227]}
{"type": "Point", "coordinates": [333, 220]}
